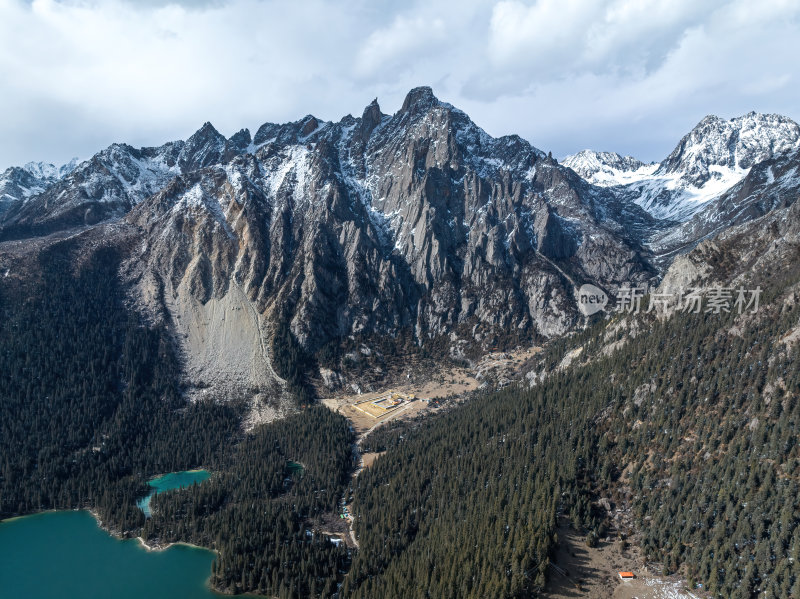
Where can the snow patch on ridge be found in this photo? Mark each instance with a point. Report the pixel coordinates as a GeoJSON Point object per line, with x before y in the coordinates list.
{"type": "Point", "coordinates": [716, 155]}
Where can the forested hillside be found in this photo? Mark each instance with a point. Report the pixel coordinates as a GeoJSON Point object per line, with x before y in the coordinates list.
{"type": "Point", "coordinates": [89, 398]}
{"type": "Point", "coordinates": [690, 422]}
{"type": "Point", "coordinates": [90, 409]}
{"type": "Point", "coordinates": [257, 512]}
{"type": "Point", "coordinates": [693, 424]}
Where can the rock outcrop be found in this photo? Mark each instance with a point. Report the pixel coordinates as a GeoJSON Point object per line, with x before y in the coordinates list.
{"type": "Point", "coordinates": [416, 226]}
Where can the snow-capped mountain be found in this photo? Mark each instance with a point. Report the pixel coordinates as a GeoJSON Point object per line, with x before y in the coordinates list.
{"type": "Point", "coordinates": [608, 168]}
{"type": "Point", "coordinates": [48, 171]}
{"type": "Point", "coordinates": [769, 185]}
{"type": "Point", "coordinates": [416, 226]}
{"type": "Point", "coordinates": [713, 157]}
{"type": "Point", "coordinates": [416, 212]}
{"type": "Point", "coordinates": [17, 183]}
{"type": "Point", "coordinates": [738, 143]}
{"type": "Point", "coordinates": [114, 180]}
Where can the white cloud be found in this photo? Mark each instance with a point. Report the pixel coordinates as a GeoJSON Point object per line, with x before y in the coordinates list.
{"type": "Point", "coordinates": [400, 45]}
{"type": "Point", "coordinates": [587, 35]}
{"type": "Point", "coordinates": [629, 75]}
{"type": "Point", "coordinates": [521, 34]}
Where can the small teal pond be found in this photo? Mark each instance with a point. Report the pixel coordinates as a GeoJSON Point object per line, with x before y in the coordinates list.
{"type": "Point", "coordinates": [66, 555]}
{"type": "Point", "coordinates": [173, 480]}
{"type": "Point", "coordinates": [295, 468]}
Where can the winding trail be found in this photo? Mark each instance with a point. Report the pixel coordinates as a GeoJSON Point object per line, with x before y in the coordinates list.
{"type": "Point", "coordinates": [357, 457]}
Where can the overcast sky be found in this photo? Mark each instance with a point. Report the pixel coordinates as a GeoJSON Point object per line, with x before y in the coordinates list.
{"type": "Point", "coordinates": [623, 75]}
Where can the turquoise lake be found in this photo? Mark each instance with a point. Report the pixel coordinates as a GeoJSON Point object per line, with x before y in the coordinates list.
{"type": "Point", "coordinates": [173, 480]}
{"type": "Point", "coordinates": [66, 555]}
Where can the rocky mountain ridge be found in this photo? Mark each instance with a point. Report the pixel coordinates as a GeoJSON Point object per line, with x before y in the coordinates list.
{"type": "Point", "coordinates": [607, 168]}
{"type": "Point", "coordinates": [417, 227]}
{"type": "Point", "coordinates": [708, 161]}
{"type": "Point", "coordinates": [417, 224]}
{"type": "Point", "coordinates": [20, 182]}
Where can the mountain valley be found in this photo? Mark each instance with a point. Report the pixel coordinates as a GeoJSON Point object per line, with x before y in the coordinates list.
{"type": "Point", "coordinates": [274, 307]}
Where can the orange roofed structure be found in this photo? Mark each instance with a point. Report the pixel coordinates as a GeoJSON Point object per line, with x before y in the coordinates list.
{"type": "Point", "coordinates": [626, 575]}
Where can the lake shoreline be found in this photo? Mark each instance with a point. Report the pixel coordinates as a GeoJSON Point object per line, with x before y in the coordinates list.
{"type": "Point", "coordinates": [169, 481]}
{"type": "Point", "coordinates": [113, 532]}
{"type": "Point", "coordinates": [148, 545]}
{"type": "Point", "coordinates": [89, 561]}
{"type": "Point", "coordinates": [121, 536]}
{"type": "Point", "coordinates": [155, 546]}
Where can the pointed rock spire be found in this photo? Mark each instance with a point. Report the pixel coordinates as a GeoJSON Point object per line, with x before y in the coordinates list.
{"type": "Point", "coordinates": [370, 119]}
{"type": "Point", "coordinates": [203, 148]}
{"type": "Point", "coordinates": [206, 131]}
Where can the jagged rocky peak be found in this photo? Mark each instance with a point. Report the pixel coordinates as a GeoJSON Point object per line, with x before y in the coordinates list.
{"type": "Point", "coordinates": [18, 183]}
{"type": "Point", "coordinates": [241, 140]}
{"type": "Point", "coordinates": [419, 99]}
{"type": "Point", "coordinates": [418, 224]}
{"type": "Point", "coordinates": [601, 167]}
{"type": "Point", "coordinates": [206, 131]}
{"type": "Point", "coordinates": [42, 170]}
{"type": "Point", "coordinates": [769, 185]}
{"type": "Point", "coordinates": [432, 133]}
{"type": "Point", "coordinates": [46, 170]}
{"type": "Point", "coordinates": [105, 186]}
{"type": "Point", "coordinates": [747, 250]}
{"type": "Point", "coordinates": [305, 129]}
{"type": "Point", "coordinates": [370, 118]}
{"type": "Point", "coordinates": [310, 124]}
{"type": "Point", "coordinates": [712, 158]}
{"type": "Point", "coordinates": [203, 148]}
{"type": "Point", "coordinates": [207, 134]}
{"type": "Point", "coordinates": [716, 145]}
{"type": "Point", "coordinates": [414, 214]}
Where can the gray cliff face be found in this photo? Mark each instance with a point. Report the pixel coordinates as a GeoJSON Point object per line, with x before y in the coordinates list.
{"type": "Point", "coordinates": [468, 213]}
{"type": "Point", "coordinates": [414, 226]}
{"type": "Point", "coordinates": [419, 222]}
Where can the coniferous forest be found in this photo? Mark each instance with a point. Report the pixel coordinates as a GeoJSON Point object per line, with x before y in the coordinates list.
{"type": "Point", "coordinates": [91, 410]}
{"type": "Point", "coordinates": [710, 457]}
{"type": "Point", "coordinates": [692, 425]}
